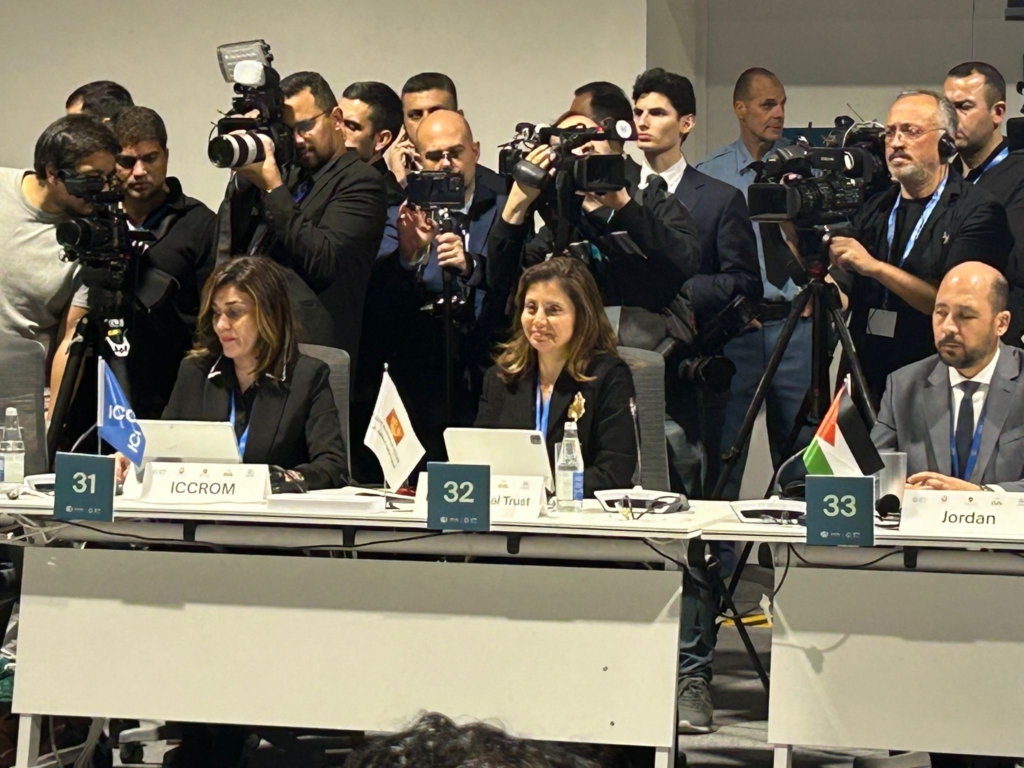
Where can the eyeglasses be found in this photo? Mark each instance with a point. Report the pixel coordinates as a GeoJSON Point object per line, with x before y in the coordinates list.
{"type": "Point", "coordinates": [305, 127]}
{"type": "Point", "coordinates": [908, 131]}
{"type": "Point", "coordinates": [436, 156]}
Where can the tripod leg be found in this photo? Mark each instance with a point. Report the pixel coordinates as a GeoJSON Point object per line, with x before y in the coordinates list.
{"type": "Point", "coordinates": [860, 382]}
{"type": "Point", "coordinates": [731, 456]}
{"type": "Point", "coordinates": [62, 400]}
{"type": "Point", "coordinates": [446, 282]}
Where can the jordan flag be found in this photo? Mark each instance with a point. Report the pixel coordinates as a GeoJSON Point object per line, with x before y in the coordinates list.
{"type": "Point", "coordinates": [842, 445]}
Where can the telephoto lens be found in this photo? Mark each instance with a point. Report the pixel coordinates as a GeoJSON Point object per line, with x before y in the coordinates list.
{"type": "Point", "coordinates": [233, 150]}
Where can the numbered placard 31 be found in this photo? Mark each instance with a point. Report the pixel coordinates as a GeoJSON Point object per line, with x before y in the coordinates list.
{"type": "Point", "coordinates": [84, 487]}
{"type": "Point", "coordinates": [840, 511]}
{"type": "Point", "coordinates": [458, 497]}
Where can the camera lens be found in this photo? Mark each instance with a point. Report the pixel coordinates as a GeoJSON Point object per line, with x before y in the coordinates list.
{"type": "Point", "coordinates": [236, 149]}
{"type": "Point", "coordinates": [74, 233]}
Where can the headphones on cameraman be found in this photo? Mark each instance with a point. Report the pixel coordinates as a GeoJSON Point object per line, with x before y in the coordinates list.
{"type": "Point", "coordinates": [947, 148]}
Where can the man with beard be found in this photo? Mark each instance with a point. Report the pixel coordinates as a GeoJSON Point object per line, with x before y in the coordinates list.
{"type": "Point", "coordinates": [950, 411]}
{"type": "Point", "coordinates": [321, 217]}
{"type": "Point", "coordinates": [904, 240]}
{"type": "Point", "coordinates": [178, 258]}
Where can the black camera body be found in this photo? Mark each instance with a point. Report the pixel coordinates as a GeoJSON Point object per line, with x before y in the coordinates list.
{"type": "Point", "coordinates": [435, 189]}
{"type": "Point", "coordinates": [705, 365]}
{"type": "Point", "coordinates": [101, 241]}
{"type": "Point", "coordinates": [588, 173]}
{"type": "Point", "coordinates": [832, 184]}
{"type": "Point", "coordinates": [255, 91]}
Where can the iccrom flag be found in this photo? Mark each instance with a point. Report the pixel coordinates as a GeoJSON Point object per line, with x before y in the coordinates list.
{"type": "Point", "coordinates": [842, 445]}
{"type": "Point", "coordinates": [391, 438]}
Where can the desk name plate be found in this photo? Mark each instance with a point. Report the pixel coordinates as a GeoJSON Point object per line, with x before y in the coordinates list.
{"type": "Point", "coordinates": [186, 483]}
{"type": "Point", "coordinates": [963, 514]}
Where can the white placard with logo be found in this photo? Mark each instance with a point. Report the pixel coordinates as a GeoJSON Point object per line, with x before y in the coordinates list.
{"type": "Point", "coordinates": [175, 483]}
{"type": "Point", "coordinates": [963, 514]}
{"type": "Point", "coordinates": [513, 497]}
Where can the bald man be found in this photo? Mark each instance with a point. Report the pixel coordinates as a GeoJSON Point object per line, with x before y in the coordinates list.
{"type": "Point", "coordinates": [959, 414]}
{"type": "Point", "coordinates": [398, 329]}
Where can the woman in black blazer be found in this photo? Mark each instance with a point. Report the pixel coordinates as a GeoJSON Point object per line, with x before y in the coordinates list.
{"type": "Point", "coordinates": [563, 350]}
{"type": "Point", "coordinates": [246, 369]}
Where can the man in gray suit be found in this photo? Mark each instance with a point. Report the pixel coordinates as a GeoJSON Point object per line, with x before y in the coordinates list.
{"type": "Point", "coordinates": [959, 415]}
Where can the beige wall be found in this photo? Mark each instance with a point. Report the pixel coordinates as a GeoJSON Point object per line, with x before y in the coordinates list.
{"type": "Point", "coordinates": [512, 61]}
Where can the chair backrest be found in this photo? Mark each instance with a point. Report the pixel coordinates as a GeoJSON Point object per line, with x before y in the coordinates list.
{"type": "Point", "coordinates": [22, 379]}
{"type": "Point", "coordinates": [648, 369]}
{"type": "Point", "coordinates": [340, 365]}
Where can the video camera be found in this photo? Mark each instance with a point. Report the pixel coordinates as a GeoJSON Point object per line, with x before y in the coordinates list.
{"type": "Point", "coordinates": [847, 175]}
{"type": "Point", "coordinates": [257, 89]}
{"type": "Point", "coordinates": [589, 173]}
{"type": "Point", "coordinates": [1015, 127]}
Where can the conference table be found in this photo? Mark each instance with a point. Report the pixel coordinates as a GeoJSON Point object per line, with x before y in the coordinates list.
{"type": "Point", "coordinates": [341, 611]}
{"type": "Point", "coordinates": [915, 644]}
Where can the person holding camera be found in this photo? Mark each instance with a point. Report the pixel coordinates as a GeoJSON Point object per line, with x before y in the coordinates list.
{"type": "Point", "coordinates": [321, 216]}
{"type": "Point", "coordinates": [903, 241]}
{"type": "Point", "coordinates": [39, 288]}
{"type": "Point", "coordinates": [978, 91]}
{"type": "Point", "coordinates": [373, 120]}
{"type": "Point", "coordinates": [420, 253]}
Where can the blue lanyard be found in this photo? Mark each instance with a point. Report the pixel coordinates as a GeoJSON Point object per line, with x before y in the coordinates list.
{"type": "Point", "coordinates": [972, 457]}
{"type": "Point", "coordinates": [245, 435]}
{"type": "Point", "coordinates": [920, 222]}
{"type": "Point", "coordinates": [995, 161]}
{"type": "Point", "coordinates": [542, 411]}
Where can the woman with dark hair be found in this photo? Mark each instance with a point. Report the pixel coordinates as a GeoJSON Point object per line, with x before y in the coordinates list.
{"type": "Point", "coordinates": [562, 354]}
{"type": "Point", "coordinates": [246, 368]}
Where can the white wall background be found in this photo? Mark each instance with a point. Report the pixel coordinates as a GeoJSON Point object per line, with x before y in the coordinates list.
{"type": "Point", "coordinates": [511, 61]}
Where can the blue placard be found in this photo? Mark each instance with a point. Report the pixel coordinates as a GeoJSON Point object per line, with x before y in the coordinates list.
{"type": "Point", "coordinates": [84, 487]}
{"type": "Point", "coordinates": [840, 511]}
{"type": "Point", "coordinates": [458, 497]}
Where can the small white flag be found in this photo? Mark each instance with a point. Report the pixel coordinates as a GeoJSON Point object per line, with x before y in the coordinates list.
{"type": "Point", "coordinates": [391, 438]}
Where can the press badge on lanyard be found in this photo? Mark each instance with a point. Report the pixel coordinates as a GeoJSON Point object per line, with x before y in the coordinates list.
{"type": "Point", "coordinates": [882, 322]}
{"type": "Point", "coordinates": [245, 435]}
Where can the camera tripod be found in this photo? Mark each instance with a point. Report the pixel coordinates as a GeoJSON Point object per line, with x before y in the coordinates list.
{"type": "Point", "coordinates": [103, 322]}
{"type": "Point", "coordinates": [826, 308]}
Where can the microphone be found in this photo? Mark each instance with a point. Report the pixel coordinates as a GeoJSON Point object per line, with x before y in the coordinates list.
{"type": "Point", "coordinates": [638, 475]}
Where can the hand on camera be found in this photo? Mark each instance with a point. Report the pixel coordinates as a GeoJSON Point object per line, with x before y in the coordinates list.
{"type": "Point", "coordinates": [415, 232]}
{"type": "Point", "coordinates": [451, 253]}
{"type": "Point", "coordinates": [403, 158]}
{"type": "Point", "coordinates": [614, 200]}
{"type": "Point", "coordinates": [850, 256]}
{"type": "Point", "coordinates": [264, 175]}
{"type": "Point", "coordinates": [520, 197]}
{"type": "Point", "coordinates": [933, 481]}
{"type": "Point", "coordinates": [121, 465]}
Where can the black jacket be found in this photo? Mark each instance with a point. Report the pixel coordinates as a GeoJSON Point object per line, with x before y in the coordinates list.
{"type": "Point", "coordinates": [1006, 183]}
{"type": "Point", "coordinates": [293, 425]}
{"type": "Point", "coordinates": [174, 268]}
{"type": "Point", "coordinates": [968, 224]}
{"type": "Point", "coordinates": [606, 429]}
{"type": "Point", "coordinates": [664, 233]}
{"type": "Point", "coordinates": [327, 242]}
{"type": "Point", "coordinates": [395, 191]}
{"type": "Point", "coordinates": [728, 248]}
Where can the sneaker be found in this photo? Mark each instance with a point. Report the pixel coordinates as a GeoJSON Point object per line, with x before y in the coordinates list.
{"type": "Point", "coordinates": [694, 707]}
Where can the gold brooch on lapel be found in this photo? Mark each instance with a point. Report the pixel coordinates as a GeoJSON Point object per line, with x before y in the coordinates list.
{"type": "Point", "coordinates": [578, 407]}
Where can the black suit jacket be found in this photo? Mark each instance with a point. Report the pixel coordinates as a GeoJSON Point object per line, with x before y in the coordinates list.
{"type": "Point", "coordinates": [728, 248]}
{"type": "Point", "coordinates": [327, 242]}
{"type": "Point", "coordinates": [968, 224]}
{"type": "Point", "coordinates": [606, 429]}
{"type": "Point", "coordinates": [293, 425]}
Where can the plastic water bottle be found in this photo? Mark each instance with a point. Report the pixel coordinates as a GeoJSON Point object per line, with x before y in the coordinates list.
{"type": "Point", "coordinates": [569, 472]}
{"type": "Point", "coordinates": [12, 450]}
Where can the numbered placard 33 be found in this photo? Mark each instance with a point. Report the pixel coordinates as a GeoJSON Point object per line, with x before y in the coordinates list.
{"type": "Point", "coordinates": [458, 497]}
{"type": "Point", "coordinates": [84, 487]}
{"type": "Point", "coordinates": [840, 511]}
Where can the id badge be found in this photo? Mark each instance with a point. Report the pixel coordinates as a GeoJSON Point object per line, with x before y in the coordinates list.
{"type": "Point", "coordinates": [882, 322]}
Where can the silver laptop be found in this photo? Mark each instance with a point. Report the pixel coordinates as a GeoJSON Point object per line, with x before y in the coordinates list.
{"type": "Point", "coordinates": [190, 441]}
{"type": "Point", "coordinates": [505, 451]}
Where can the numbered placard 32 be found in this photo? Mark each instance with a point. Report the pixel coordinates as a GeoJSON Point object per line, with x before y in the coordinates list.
{"type": "Point", "coordinates": [458, 497]}
{"type": "Point", "coordinates": [840, 511]}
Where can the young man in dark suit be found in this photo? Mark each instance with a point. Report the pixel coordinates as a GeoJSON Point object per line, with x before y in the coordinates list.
{"type": "Point", "coordinates": [664, 112]}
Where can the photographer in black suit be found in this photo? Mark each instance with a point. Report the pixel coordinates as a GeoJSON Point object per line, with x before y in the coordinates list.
{"type": "Point", "coordinates": [373, 120]}
{"type": "Point", "coordinates": [321, 218]}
